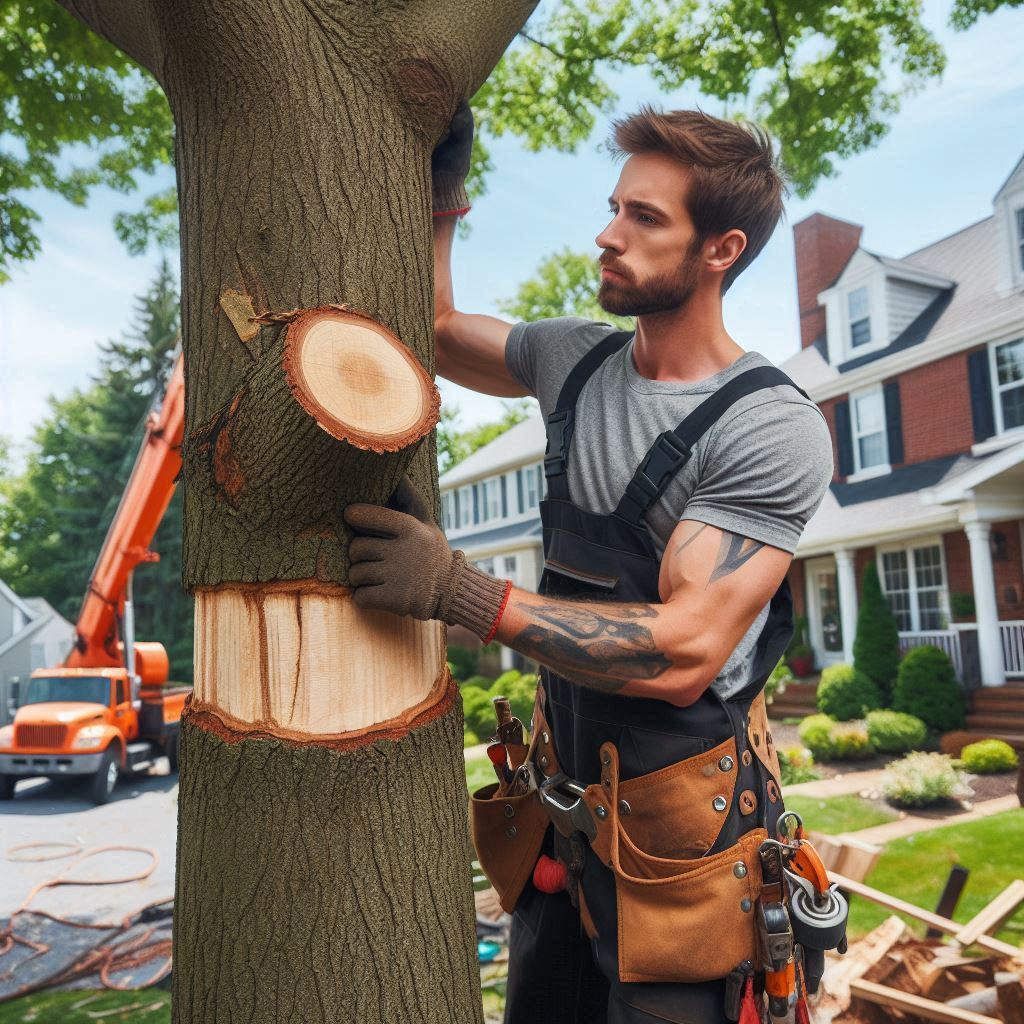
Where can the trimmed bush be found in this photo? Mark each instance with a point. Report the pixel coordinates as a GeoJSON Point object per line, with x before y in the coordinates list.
{"type": "Point", "coordinates": [470, 739]}
{"type": "Point", "coordinates": [847, 694]}
{"type": "Point", "coordinates": [520, 689]}
{"type": "Point", "coordinates": [462, 660]}
{"type": "Point", "coordinates": [480, 682]}
{"type": "Point", "coordinates": [850, 742]}
{"type": "Point", "coordinates": [893, 732]}
{"type": "Point", "coordinates": [797, 764]}
{"type": "Point", "coordinates": [922, 779]}
{"type": "Point", "coordinates": [988, 756]}
{"type": "Point", "coordinates": [478, 711]}
{"type": "Point", "coordinates": [926, 686]}
{"type": "Point", "coordinates": [814, 733]}
{"type": "Point", "coordinates": [876, 645]}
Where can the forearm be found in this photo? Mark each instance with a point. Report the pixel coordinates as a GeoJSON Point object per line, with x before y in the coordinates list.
{"type": "Point", "coordinates": [635, 649]}
{"type": "Point", "coordinates": [444, 298]}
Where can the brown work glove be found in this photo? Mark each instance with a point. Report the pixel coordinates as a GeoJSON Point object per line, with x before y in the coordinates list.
{"type": "Point", "coordinates": [449, 165]}
{"type": "Point", "coordinates": [401, 563]}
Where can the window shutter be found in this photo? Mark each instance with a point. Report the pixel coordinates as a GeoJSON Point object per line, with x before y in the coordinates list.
{"type": "Point", "coordinates": [476, 503]}
{"type": "Point", "coordinates": [844, 438]}
{"type": "Point", "coordinates": [982, 413]}
{"type": "Point", "coordinates": [519, 489]}
{"type": "Point", "coordinates": [455, 510]}
{"type": "Point", "coordinates": [504, 497]}
{"type": "Point", "coordinates": [893, 421]}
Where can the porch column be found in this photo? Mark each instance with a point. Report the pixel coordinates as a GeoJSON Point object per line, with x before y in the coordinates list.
{"type": "Point", "coordinates": [846, 579]}
{"type": "Point", "coordinates": [990, 649]}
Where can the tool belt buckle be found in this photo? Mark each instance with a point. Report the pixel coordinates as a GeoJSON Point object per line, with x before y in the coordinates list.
{"type": "Point", "coordinates": [562, 798]}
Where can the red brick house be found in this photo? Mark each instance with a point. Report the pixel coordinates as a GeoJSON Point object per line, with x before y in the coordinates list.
{"type": "Point", "coordinates": [918, 365]}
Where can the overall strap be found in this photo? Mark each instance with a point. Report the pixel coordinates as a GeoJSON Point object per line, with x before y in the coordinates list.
{"type": "Point", "coordinates": [560, 421]}
{"type": "Point", "coordinates": [673, 448]}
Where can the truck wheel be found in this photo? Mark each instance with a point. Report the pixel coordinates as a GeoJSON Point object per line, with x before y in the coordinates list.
{"type": "Point", "coordinates": [101, 786]}
{"type": "Point", "coordinates": [7, 784]}
{"type": "Point", "coordinates": [173, 752]}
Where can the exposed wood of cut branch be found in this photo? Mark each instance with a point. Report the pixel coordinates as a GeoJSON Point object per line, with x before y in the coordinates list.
{"type": "Point", "coordinates": [358, 381]}
{"type": "Point", "coordinates": [944, 924]}
{"type": "Point", "coordinates": [927, 1008]}
{"type": "Point", "coordinates": [992, 916]}
{"type": "Point", "coordinates": [860, 958]}
{"type": "Point", "coordinates": [302, 659]}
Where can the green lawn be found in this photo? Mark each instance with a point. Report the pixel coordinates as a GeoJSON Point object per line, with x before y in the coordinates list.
{"type": "Point", "coordinates": [839, 813]}
{"type": "Point", "coordinates": [479, 772]}
{"type": "Point", "coordinates": [915, 869]}
{"type": "Point", "coordinates": [151, 1006]}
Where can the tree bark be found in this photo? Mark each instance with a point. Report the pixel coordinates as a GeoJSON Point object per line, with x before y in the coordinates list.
{"type": "Point", "coordinates": [323, 855]}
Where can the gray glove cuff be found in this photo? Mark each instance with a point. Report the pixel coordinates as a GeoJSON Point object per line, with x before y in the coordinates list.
{"type": "Point", "coordinates": [448, 194]}
{"type": "Point", "coordinates": [474, 599]}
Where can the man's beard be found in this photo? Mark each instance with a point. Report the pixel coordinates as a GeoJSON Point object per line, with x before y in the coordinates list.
{"type": "Point", "coordinates": [655, 295]}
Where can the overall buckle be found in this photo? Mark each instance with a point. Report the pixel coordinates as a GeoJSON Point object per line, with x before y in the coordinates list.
{"type": "Point", "coordinates": [559, 429]}
{"type": "Point", "coordinates": [665, 457]}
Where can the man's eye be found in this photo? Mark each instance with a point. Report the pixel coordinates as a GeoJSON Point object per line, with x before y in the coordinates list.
{"type": "Point", "coordinates": [643, 216]}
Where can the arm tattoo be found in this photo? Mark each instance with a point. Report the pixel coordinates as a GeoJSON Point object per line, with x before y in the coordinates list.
{"type": "Point", "coordinates": [693, 536]}
{"type": "Point", "coordinates": [602, 647]}
{"type": "Point", "coordinates": [732, 553]}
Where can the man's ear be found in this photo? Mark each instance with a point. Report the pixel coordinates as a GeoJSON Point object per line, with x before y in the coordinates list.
{"type": "Point", "coordinates": [725, 250]}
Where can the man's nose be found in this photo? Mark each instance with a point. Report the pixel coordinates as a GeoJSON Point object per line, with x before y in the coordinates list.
{"type": "Point", "coordinates": [609, 239]}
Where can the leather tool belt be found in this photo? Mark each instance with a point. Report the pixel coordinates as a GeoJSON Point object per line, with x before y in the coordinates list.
{"type": "Point", "coordinates": [653, 833]}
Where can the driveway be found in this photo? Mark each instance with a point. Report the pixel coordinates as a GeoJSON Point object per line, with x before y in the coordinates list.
{"type": "Point", "coordinates": [142, 812]}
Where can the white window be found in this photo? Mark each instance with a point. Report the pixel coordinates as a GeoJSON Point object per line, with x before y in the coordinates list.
{"type": "Point", "coordinates": [492, 498]}
{"type": "Point", "coordinates": [870, 447]}
{"type": "Point", "coordinates": [465, 506]}
{"type": "Point", "coordinates": [1009, 384]}
{"type": "Point", "coordinates": [914, 583]}
{"type": "Point", "coordinates": [448, 510]}
{"type": "Point", "coordinates": [510, 567]}
{"type": "Point", "coordinates": [485, 565]}
{"type": "Point", "coordinates": [512, 490]}
{"type": "Point", "coordinates": [860, 317]}
{"type": "Point", "coordinates": [530, 486]}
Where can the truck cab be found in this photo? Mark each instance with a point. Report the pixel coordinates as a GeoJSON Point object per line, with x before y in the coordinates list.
{"type": "Point", "coordinates": [84, 723]}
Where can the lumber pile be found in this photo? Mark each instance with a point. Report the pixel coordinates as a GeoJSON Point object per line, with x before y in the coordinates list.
{"type": "Point", "coordinates": [892, 976]}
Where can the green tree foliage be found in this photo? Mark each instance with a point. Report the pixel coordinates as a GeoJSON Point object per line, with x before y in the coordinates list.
{"type": "Point", "coordinates": [69, 96]}
{"type": "Point", "coordinates": [876, 646]}
{"type": "Point", "coordinates": [825, 79]}
{"type": "Point", "coordinates": [565, 284]}
{"type": "Point", "coordinates": [54, 515]}
{"type": "Point", "coordinates": [966, 12]}
{"type": "Point", "coordinates": [454, 445]}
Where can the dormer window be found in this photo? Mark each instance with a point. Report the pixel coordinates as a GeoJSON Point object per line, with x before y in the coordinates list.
{"type": "Point", "coordinates": [860, 317]}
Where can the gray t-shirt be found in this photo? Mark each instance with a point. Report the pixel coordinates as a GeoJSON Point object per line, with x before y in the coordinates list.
{"type": "Point", "coordinates": [760, 471]}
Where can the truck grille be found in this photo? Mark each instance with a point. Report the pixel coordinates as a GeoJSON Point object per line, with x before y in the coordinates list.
{"type": "Point", "coordinates": [40, 735]}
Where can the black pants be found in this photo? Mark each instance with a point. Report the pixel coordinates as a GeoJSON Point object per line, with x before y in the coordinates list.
{"type": "Point", "coordinates": [557, 975]}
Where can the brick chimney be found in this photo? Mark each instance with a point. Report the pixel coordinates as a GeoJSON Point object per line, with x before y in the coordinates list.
{"type": "Point", "coordinates": [823, 246]}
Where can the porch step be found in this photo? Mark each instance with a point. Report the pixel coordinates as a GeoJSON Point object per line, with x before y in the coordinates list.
{"type": "Point", "coordinates": [953, 743]}
{"type": "Point", "coordinates": [996, 725]}
{"type": "Point", "coordinates": [994, 707]}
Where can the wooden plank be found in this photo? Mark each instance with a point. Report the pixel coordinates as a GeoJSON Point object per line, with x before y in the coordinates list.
{"type": "Point", "coordinates": [989, 919]}
{"type": "Point", "coordinates": [927, 1008]}
{"type": "Point", "coordinates": [935, 920]}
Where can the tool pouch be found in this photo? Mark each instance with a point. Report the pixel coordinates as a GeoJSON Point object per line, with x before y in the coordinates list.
{"type": "Point", "coordinates": [684, 918]}
{"type": "Point", "coordinates": [508, 829]}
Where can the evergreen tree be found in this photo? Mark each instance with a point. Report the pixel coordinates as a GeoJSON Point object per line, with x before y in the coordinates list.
{"type": "Point", "coordinates": [876, 647]}
{"type": "Point", "coordinates": [55, 515]}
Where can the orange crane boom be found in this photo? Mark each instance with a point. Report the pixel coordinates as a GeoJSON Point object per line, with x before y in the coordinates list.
{"type": "Point", "coordinates": [143, 504]}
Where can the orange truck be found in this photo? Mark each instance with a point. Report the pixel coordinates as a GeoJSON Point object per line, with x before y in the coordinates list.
{"type": "Point", "coordinates": [108, 709]}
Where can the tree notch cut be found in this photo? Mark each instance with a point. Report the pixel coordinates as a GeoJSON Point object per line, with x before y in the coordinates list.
{"type": "Point", "coordinates": [357, 379]}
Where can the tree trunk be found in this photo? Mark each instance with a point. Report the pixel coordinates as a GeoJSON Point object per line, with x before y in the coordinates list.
{"type": "Point", "coordinates": [323, 861]}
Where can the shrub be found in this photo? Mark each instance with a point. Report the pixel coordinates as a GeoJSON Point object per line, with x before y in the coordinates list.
{"type": "Point", "coordinates": [480, 682]}
{"type": "Point", "coordinates": [926, 686]}
{"type": "Point", "coordinates": [987, 756]}
{"type": "Point", "coordinates": [797, 764]}
{"type": "Point", "coordinates": [846, 694]}
{"type": "Point", "coordinates": [893, 732]}
{"type": "Point", "coordinates": [850, 742]}
{"type": "Point", "coordinates": [478, 711]}
{"type": "Point", "coordinates": [921, 779]}
{"type": "Point", "coordinates": [814, 733]}
{"type": "Point", "coordinates": [520, 689]}
{"type": "Point", "coordinates": [462, 660]}
{"type": "Point", "coordinates": [777, 681]}
{"type": "Point", "coordinates": [876, 645]}
{"type": "Point", "coordinates": [470, 739]}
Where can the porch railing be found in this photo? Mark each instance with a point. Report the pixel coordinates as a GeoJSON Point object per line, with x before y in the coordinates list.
{"type": "Point", "coordinates": [947, 640]}
{"type": "Point", "coordinates": [1011, 636]}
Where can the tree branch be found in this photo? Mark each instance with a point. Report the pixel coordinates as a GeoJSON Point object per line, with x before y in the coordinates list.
{"type": "Point", "coordinates": [129, 24]}
{"type": "Point", "coordinates": [773, 14]}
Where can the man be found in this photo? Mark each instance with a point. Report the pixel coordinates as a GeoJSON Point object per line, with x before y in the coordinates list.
{"type": "Point", "coordinates": [664, 604]}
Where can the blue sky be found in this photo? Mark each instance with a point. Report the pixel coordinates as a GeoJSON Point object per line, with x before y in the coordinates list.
{"type": "Point", "coordinates": [947, 153]}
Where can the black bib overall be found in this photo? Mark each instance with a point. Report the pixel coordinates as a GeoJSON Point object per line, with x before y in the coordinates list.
{"type": "Point", "coordinates": [557, 975]}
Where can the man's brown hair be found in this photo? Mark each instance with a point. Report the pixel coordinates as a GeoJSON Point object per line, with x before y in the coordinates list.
{"type": "Point", "coordinates": [736, 181]}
